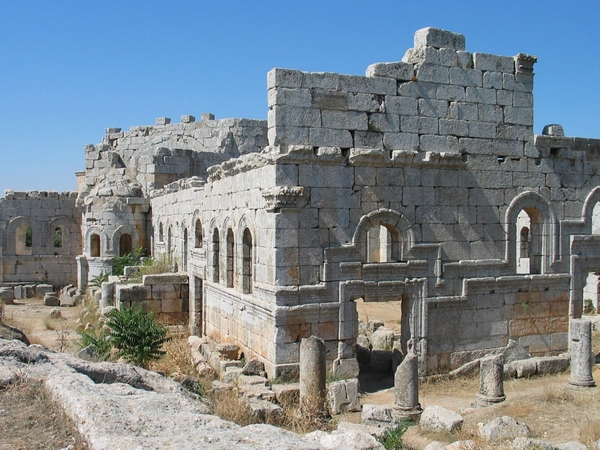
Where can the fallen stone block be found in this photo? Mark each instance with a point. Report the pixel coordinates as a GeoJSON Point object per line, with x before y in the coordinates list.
{"type": "Point", "coordinates": [286, 394]}
{"type": "Point", "coordinates": [436, 418]}
{"type": "Point", "coordinates": [219, 386]}
{"type": "Point", "coordinates": [231, 375]}
{"type": "Point", "coordinates": [7, 295]}
{"type": "Point", "coordinates": [376, 415]}
{"type": "Point", "coordinates": [50, 299]}
{"type": "Point", "coordinates": [572, 445]}
{"type": "Point", "coordinates": [503, 428]}
{"type": "Point", "coordinates": [251, 380]}
{"type": "Point", "coordinates": [525, 368]}
{"type": "Point", "coordinates": [228, 351]}
{"type": "Point", "coordinates": [258, 392]}
{"type": "Point", "coordinates": [463, 445]}
{"type": "Point", "coordinates": [342, 396]}
{"type": "Point", "coordinates": [549, 365]}
{"type": "Point", "coordinates": [254, 367]}
{"type": "Point", "coordinates": [264, 409]}
{"type": "Point", "coordinates": [43, 289]}
{"type": "Point", "coordinates": [66, 300]}
{"type": "Point", "coordinates": [435, 445]}
{"type": "Point", "coordinates": [374, 430]}
{"type": "Point", "coordinates": [525, 443]}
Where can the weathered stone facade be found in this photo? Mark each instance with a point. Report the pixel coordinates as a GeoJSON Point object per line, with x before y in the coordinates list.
{"type": "Point", "coordinates": [422, 182]}
{"type": "Point", "coordinates": [40, 233]}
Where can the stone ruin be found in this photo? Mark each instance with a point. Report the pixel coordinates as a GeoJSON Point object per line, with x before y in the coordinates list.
{"type": "Point", "coordinates": [421, 182]}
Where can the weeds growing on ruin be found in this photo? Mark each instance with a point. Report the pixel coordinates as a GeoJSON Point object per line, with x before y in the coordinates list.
{"type": "Point", "coordinates": [136, 335]}
{"type": "Point", "coordinates": [98, 339]}
{"type": "Point", "coordinates": [392, 438]}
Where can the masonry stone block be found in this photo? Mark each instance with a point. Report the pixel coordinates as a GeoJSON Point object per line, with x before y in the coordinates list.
{"type": "Point", "coordinates": [344, 120]}
{"type": "Point", "coordinates": [396, 70]}
{"type": "Point", "coordinates": [320, 137]}
{"type": "Point", "coordinates": [284, 78]}
{"type": "Point", "coordinates": [437, 38]}
{"type": "Point", "coordinates": [432, 73]}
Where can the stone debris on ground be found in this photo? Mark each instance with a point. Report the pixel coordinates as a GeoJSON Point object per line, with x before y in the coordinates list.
{"type": "Point", "coordinates": [503, 428]}
{"type": "Point", "coordinates": [437, 418]}
{"type": "Point", "coordinates": [120, 406]}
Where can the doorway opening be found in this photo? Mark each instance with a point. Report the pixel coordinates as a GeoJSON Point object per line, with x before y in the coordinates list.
{"type": "Point", "coordinates": [383, 335]}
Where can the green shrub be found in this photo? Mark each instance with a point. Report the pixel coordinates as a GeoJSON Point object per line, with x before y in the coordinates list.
{"type": "Point", "coordinates": [392, 438]}
{"type": "Point", "coordinates": [136, 335]}
{"type": "Point", "coordinates": [99, 340]}
{"type": "Point", "coordinates": [98, 280]}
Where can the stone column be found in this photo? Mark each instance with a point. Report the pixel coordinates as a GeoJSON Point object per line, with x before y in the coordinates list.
{"type": "Point", "coordinates": [312, 374]}
{"type": "Point", "coordinates": [108, 295]}
{"type": "Point", "coordinates": [82, 274]}
{"type": "Point", "coordinates": [582, 358]}
{"type": "Point", "coordinates": [406, 387]}
{"type": "Point", "coordinates": [491, 380]}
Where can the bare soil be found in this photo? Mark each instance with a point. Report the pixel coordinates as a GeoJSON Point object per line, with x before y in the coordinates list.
{"type": "Point", "coordinates": [30, 420]}
{"type": "Point", "coordinates": [554, 411]}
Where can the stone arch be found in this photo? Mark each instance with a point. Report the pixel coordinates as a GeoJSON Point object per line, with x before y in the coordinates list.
{"type": "Point", "coordinates": [20, 241]}
{"type": "Point", "coordinates": [230, 258]}
{"type": "Point", "coordinates": [119, 238]}
{"type": "Point", "coordinates": [542, 232]}
{"type": "Point", "coordinates": [215, 255]}
{"type": "Point", "coordinates": [400, 231]}
{"type": "Point", "coordinates": [198, 233]}
{"type": "Point", "coordinates": [16, 236]}
{"type": "Point", "coordinates": [71, 235]}
{"type": "Point", "coordinates": [101, 242]}
{"type": "Point", "coordinates": [161, 232]}
{"type": "Point", "coordinates": [590, 203]}
{"type": "Point", "coordinates": [246, 239]}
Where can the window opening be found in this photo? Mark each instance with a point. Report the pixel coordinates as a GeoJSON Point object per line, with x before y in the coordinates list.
{"type": "Point", "coordinates": [230, 258]}
{"type": "Point", "coordinates": [95, 245]}
{"type": "Point", "coordinates": [247, 262]}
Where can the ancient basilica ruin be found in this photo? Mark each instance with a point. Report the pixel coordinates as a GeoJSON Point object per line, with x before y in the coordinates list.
{"type": "Point", "coordinates": [421, 183]}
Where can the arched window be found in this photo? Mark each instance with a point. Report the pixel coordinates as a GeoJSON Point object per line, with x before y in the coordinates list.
{"type": "Point", "coordinates": [383, 244]}
{"type": "Point", "coordinates": [23, 240]}
{"type": "Point", "coordinates": [58, 237]}
{"type": "Point", "coordinates": [28, 237]}
{"type": "Point", "coordinates": [185, 248]}
{"type": "Point", "coordinates": [524, 248]}
{"type": "Point", "coordinates": [215, 252]}
{"type": "Point", "coordinates": [529, 222]}
{"type": "Point", "coordinates": [169, 240]}
{"type": "Point", "coordinates": [230, 258]}
{"type": "Point", "coordinates": [94, 245]}
{"type": "Point", "coordinates": [125, 246]}
{"type": "Point", "coordinates": [247, 262]}
{"type": "Point", "coordinates": [161, 235]}
{"type": "Point", "coordinates": [198, 232]}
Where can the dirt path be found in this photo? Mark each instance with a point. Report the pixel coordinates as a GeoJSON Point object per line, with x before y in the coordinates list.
{"type": "Point", "coordinates": [33, 319]}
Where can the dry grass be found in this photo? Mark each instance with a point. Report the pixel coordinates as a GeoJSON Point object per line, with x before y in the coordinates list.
{"type": "Point", "coordinates": [29, 419]}
{"type": "Point", "coordinates": [229, 406]}
{"type": "Point", "coordinates": [176, 362]}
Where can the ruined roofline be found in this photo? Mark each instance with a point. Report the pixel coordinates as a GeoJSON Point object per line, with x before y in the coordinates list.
{"type": "Point", "coordinates": [162, 124]}
{"type": "Point", "coordinates": [9, 194]}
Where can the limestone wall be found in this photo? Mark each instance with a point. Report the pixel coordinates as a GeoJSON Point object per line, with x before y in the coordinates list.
{"type": "Point", "coordinates": [39, 237]}
{"type": "Point", "coordinates": [166, 295]}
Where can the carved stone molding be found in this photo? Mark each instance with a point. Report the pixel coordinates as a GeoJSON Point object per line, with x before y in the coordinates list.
{"type": "Point", "coordinates": [283, 197]}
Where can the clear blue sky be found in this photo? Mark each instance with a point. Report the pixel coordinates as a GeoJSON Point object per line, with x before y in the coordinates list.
{"type": "Point", "coordinates": [72, 68]}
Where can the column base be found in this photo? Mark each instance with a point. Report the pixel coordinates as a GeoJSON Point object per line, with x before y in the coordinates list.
{"type": "Point", "coordinates": [485, 400]}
